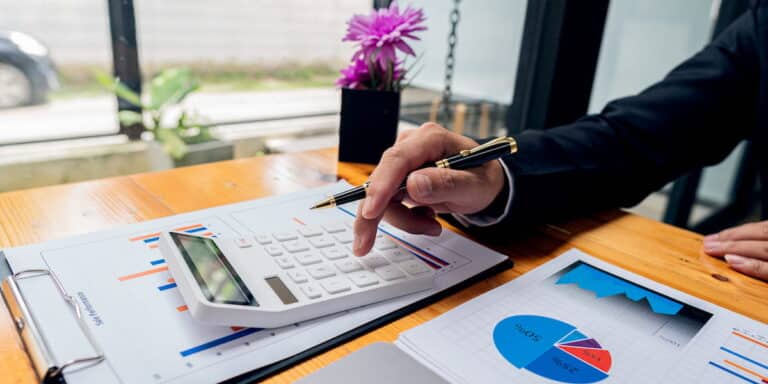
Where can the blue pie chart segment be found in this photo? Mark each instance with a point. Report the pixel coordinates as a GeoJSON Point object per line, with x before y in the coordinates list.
{"type": "Point", "coordinates": [557, 365]}
{"type": "Point", "coordinates": [533, 343]}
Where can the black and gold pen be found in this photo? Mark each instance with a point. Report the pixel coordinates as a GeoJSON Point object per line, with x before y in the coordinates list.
{"type": "Point", "coordinates": [468, 158]}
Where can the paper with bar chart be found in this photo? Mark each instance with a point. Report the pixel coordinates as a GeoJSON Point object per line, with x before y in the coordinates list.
{"type": "Point", "coordinates": [131, 302]}
{"type": "Point", "coordinates": [577, 319]}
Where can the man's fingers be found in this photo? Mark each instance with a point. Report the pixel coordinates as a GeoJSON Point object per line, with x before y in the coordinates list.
{"type": "Point", "coordinates": [748, 248]}
{"type": "Point", "coordinates": [438, 185]}
{"type": "Point", "coordinates": [417, 220]}
{"type": "Point", "coordinates": [365, 232]}
{"type": "Point", "coordinates": [404, 135]}
{"type": "Point", "coordinates": [429, 143]}
{"type": "Point", "coordinates": [750, 231]}
{"type": "Point", "coordinates": [748, 266]}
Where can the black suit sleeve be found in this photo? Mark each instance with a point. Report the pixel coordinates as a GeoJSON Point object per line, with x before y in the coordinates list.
{"type": "Point", "coordinates": [692, 118]}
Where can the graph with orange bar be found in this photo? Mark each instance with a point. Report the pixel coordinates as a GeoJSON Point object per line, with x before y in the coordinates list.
{"type": "Point", "coordinates": [745, 358]}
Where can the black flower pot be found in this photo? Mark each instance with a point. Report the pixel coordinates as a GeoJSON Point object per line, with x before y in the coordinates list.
{"type": "Point", "coordinates": [368, 124]}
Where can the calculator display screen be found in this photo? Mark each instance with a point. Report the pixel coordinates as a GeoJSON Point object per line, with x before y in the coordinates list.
{"type": "Point", "coordinates": [217, 279]}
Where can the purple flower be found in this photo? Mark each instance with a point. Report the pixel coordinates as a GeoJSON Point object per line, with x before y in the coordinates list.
{"type": "Point", "coordinates": [384, 31]}
{"type": "Point", "coordinates": [358, 75]}
{"type": "Point", "coordinates": [355, 76]}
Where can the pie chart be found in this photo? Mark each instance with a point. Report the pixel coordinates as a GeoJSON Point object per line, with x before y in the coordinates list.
{"type": "Point", "coordinates": [551, 348]}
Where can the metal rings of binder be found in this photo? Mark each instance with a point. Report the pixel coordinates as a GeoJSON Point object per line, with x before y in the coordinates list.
{"type": "Point", "coordinates": [34, 340]}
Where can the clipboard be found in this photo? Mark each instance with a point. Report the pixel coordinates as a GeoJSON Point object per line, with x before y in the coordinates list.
{"type": "Point", "coordinates": [50, 371]}
{"type": "Point", "coordinates": [35, 343]}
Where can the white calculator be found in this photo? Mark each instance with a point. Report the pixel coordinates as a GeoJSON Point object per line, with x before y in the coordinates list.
{"type": "Point", "coordinates": [291, 275]}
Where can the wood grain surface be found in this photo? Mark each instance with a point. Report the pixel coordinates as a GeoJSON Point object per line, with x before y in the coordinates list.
{"type": "Point", "coordinates": [661, 252]}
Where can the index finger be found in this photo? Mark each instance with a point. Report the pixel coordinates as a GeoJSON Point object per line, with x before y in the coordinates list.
{"type": "Point", "coordinates": [749, 231]}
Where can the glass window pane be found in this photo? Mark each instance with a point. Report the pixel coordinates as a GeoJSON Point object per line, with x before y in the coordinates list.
{"type": "Point", "coordinates": [643, 41]}
{"type": "Point", "coordinates": [255, 60]}
{"type": "Point", "coordinates": [50, 52]}
{"type": "Point", "coordinates": [489, 35]}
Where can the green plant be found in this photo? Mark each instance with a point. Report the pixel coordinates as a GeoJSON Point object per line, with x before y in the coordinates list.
{"type": "Point", "coordinates": [166, 90]}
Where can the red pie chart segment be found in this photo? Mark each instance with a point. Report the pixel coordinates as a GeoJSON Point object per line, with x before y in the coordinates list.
{"type": "Point", "coordinates": [598, 358]}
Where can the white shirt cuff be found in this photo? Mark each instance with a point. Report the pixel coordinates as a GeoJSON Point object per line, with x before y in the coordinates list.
{"type": "Point", "coordinates": [481, 220]}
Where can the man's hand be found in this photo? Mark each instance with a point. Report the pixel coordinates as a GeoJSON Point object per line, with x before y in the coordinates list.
{"type": "Point", "coordinates": [745, 248]}
{"type": "Point", "coordinates": [429, 190]}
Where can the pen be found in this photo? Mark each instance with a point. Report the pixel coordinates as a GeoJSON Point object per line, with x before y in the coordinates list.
{"type": "Point", "coordinates": [465, 159]}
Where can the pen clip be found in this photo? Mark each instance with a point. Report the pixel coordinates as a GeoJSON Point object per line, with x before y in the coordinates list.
{"type": "Point", "coordinates": [492, 143]}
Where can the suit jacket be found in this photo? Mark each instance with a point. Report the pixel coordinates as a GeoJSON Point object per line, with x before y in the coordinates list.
{"type": "Point", "coordinates": [692, 118]}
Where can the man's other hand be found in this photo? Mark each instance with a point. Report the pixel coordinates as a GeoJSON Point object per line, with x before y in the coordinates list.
{"type": "Point", "coordinates": [745, 248]}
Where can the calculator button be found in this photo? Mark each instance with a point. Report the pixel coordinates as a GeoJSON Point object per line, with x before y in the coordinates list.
{"type": "Point", "coordinates": [242, 242]}
{"type": "Point", "coordinates": [384, 244]}
{"type": "Point", "coordinates": [335, 285]}
{"type": "Point", "coordinates": [397, 255]}
{"type": "Point", "coordinates": [347, 266]}
{"type": "Point", "coordinates": [334, 227]}
{"type": "Point", "coordinates": [294, 246]}
{"type": "Point", "coordinates": [344, 237]}
{"type": "Point", "coordinates": [414, 267]}
{"type": "Point", "coordinates": [284, 262]}
{"type": "Point", "coordinates": [374, 261]}
{"type": "Point", "coordinates": [363, 278]}
{"type": "Point", "coordinates": [334, 253]}
{"type": "Point", "coordinates": [263, 239]}
{"type": "Point", "coordinates": [321, 242]}
{"type": "Point", "coordinates": [309, 231]}
{"type": "Point", "coordinates": [308, 258]}
{"type": "Point", "coordinates": [285, 236]}
{"type": "Point", "coordinates": [321, 271]}
{"type": "Point", "coordinates": [310, 290]}
{"type": "Point", "coordinates": [389, 272]}
{"type": "Point", "coordinates": [297, 276]}
{"type": "Point", "coordinates": [273, 250]}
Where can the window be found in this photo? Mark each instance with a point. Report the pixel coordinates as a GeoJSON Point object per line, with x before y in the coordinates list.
{"type": "Point", "coordinates": [486, 54]}
{"type": "Point", "coordinates": [49, 55]}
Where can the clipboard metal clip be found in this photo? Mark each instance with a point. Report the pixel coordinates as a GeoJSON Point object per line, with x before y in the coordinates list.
{"type": "Point", "coordinates": [46, 367]}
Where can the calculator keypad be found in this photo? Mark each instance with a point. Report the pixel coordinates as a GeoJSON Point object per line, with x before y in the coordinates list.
{"type": "Point", "coordinates": [318, 259]}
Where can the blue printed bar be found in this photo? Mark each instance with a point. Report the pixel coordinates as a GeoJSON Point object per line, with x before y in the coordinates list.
{"type": "Point", "coordinates": [167, 286]}
{"type": "Point", "coordinates": [216, 342]}
{"type": "Point", "coordinates": [158, 261]}
{"type": "Point", "coordinates": [740, 376]}
{"type": "Point", "coordinates": [759, 364]}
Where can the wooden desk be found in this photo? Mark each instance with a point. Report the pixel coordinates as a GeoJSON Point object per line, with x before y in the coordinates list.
{"type": "Point", "coordinates": [667, 254]}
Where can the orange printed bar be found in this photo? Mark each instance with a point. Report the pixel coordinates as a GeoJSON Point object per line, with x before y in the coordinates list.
{"type": "Point", "coordinates": [745, 337]}
{"type": "Point", "coordinates": [171, 280]}
{"type": "Point", "coordinates": [236, 328]}
{"type": "Point", "coordinates": [151, 235]}
{"type": "Point", "coordinates": [207, 234]}
{"type": "Point", "coordinates": [181, 308]}
{"type": "Point", "coordinates": [153, 246]}
{"type": "Point", "coordinates": [193, 226]}
{"type": "Point", "coordinates": [143, 273]}
{"type": "Point", "coordinates": [745, 369]}
{"type": "Point", "coordinates": [296, 219]}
